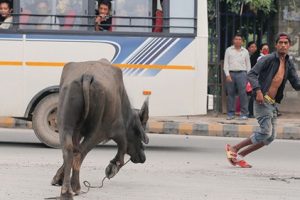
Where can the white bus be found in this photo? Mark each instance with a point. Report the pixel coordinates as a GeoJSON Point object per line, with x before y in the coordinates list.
{"type": "Point", "coordinates": [169, 65]}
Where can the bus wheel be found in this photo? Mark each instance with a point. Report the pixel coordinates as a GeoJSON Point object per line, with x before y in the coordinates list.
{"type": "Point", "coordinates": [44, 121]}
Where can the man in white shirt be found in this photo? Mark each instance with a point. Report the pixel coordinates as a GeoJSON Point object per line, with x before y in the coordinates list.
{"type": "Point", "coordinates": [236, 66]}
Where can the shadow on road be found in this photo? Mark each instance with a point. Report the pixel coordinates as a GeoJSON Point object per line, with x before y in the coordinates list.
{"type": "Point", "coordinates": [155, 148]}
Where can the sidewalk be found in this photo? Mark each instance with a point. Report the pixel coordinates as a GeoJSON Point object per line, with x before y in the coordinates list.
{"type": "Point", "coordinates": [288, 126]}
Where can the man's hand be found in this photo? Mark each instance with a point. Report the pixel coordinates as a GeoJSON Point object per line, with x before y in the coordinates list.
{"type": "Point", "coordinates": [228, 78]}
{"type": "Point", "coordinates": [98, 20]}
{"type": "Point", "coordinates": [259, 97]}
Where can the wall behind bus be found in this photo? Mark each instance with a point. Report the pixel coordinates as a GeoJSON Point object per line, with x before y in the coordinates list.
{"type": "Point", "coordinates": [289, 21]}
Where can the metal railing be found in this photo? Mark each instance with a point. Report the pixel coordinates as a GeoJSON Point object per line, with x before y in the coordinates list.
{"type": "Point", "coordinates": [88, 21]}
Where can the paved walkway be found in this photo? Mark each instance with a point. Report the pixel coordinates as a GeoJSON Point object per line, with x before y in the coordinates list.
{"type": "Point", "coordinates": [204, 125]}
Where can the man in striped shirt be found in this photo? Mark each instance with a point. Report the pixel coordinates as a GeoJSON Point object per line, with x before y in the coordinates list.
{"type": "Point", "coordinates": [236, 66]}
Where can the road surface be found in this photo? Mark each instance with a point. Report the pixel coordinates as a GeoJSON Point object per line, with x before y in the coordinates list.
{"type": "Point", "coordinates": [177, 168]}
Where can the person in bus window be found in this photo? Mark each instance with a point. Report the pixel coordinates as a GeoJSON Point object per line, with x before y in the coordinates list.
{"type": "Point", "coordinates": [45, 22]}
{"type": "Point", "coordinates": [5, 11]}
{"type": "Point", "coordinates": [158, 24]}
{"type": "Point", "coordinates": [103, 20]}
{"type": "Point", "coordinates": [64, 7]}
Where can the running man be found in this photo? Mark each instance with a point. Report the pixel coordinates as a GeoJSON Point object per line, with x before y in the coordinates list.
{"type": "Point", "coordinates": [268, 78]}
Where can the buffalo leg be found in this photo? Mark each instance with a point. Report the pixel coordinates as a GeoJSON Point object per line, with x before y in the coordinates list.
{"type": "Point", "coordinates": [115, 164]}
{"type": "Point", "coordinates": [75, 183]}
{"type": "Point", "coordinates": [69, 116]}
{"type": "Point", "coordinates": [66, 190]}
{"type": "Point", "coordinates": [85, 147]}
{"type": "Point", "coordinates": [59, 176]}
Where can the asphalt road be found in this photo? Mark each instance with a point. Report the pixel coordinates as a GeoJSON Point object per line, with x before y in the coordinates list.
{"type": "Point", "coordinates": [177, 168]}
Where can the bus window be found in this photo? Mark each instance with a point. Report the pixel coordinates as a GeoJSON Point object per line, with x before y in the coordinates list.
{"type": "Point", "coordinates": [72, 14]}
{"type": "Point", "coordinates": [182, 9]}
{"type": "Point", "coordinates": [132, 16]}
{"type": "Point", "coordinates": [41, 14]}
{"type": "Point", "coordinates": [53, 14]}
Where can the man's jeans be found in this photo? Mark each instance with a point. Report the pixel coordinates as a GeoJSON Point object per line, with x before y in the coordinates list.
{"type": "Point", "coordinates": [238, 84]}
{"type": "Point", "coordinates": [266, 115]}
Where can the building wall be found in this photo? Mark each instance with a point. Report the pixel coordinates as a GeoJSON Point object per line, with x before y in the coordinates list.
{"type": "Point", "coordinates": [289, 21]}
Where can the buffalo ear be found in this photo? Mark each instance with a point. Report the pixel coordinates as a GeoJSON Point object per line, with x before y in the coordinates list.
{"type": "Point", "coordinates": [145, 138]}
{"type": "Point", "coordinates": [144, 113]}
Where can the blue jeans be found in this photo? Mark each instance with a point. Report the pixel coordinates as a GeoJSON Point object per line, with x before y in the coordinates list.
{"type": "Point", "coordinates": [266, 115]}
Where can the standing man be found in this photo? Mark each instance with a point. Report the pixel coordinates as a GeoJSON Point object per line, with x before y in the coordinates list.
{"type": "Point", "coordinates": [268, 78]}
{"type": "Point", "coordinates": [236, 66]}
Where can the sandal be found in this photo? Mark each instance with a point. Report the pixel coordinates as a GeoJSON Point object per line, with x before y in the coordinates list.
{"type": "Point", "coordinates": [231, 156]}
{"type": "Point", "coordinates": [243, 164]}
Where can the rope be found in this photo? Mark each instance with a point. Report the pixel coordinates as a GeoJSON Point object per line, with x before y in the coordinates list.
{"type": "Point", "coordinates": [88, 185]}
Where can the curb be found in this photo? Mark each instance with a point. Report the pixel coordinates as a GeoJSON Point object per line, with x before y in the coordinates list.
{"type": "Point", "coordinates": [217, 129]}
{"type": "Point", "coordinates": [186, 128]}
{"type": "Point", "coordinates": [9, 122]}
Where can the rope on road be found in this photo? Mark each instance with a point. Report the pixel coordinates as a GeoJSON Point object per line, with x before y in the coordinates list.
{"type": "Point", "coordinates": [88, 186]}
{"type": "Point", "coordinates": [287, 180]}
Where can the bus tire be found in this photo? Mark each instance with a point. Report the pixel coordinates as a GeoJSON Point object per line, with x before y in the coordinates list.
{"type": "Point", "coordinates": [44, 121]}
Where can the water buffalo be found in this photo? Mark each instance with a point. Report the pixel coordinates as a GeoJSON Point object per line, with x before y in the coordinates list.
{"type": "Point", "coordinates": [93, 108]}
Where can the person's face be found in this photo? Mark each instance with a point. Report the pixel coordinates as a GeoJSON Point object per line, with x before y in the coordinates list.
{"type": "Point", "coordinates": [252, 48]}
{"type": "Point", "coordinates": [237, 41]}
{"type": "Point", "coordinates": [103, 9]}
{"type": "Point", "coordinates": [42, 8]}
{"type": "Point", "coordinates": [5, 10]}
{"type": "Point", "coordinates": [62, 6]}
{"type": "Point", "coordinates": [265, 50]}
{"type": "Point", "coordinates": [283, 46]}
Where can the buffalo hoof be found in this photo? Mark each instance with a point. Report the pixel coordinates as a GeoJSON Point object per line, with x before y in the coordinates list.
{"type": "Point", "coordinates": [66, 196]}
{"type": "Point", "coordinates": [56, 181]}
{"type": "Point", "coordinates": [111, 170]}
{"type": "Point", "coordinates": [76, 188]}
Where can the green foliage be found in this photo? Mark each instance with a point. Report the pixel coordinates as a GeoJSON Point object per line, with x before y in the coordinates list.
{"type": "Point", "coordinates": [237, 6]}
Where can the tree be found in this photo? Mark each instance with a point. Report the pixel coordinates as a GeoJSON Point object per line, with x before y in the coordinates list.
{"type": "Point", "coordinates": [238, 6]}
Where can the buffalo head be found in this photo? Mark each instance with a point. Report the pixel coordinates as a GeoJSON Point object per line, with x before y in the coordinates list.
{"type": "Point", "coordinates": [137, 135]}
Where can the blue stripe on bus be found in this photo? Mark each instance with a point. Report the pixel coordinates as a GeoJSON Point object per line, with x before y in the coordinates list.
{"type": "Point", "coordinates": [169, 55]}
{"type": "Point", "coordinates": [141, 52]}
{"type": "Point", "coordinates": [155, 51]}
{"type": "Point", "coordinates": [11, 36]}
{"type": "Point", "coordinates": [154, 44]}
{"type": "Point", "coordinates": [124, 46]}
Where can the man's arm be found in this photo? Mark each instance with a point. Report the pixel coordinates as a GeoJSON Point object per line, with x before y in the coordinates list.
{"type": "Point", "coordinates": [293, 77]}
{"type": "Point", "coordinates": [255, 71]}
{"type": "Point", "coordinates": [248, 62]}
{"type": "Point", "coordinates": [226, 63]}
{"type": "Point", "coordinates": [253, 79]}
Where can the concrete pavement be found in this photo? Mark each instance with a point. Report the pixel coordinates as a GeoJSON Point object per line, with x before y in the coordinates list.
{"type": "Point", "coordinates": [204, 125]}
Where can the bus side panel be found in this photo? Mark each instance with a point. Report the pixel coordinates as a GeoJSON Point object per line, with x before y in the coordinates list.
{"type": "Point", "coordinates": [45, 58]}
{"type": "Point", "coordinates": [11, 75]}
{"type": "Point", "coordinates": [178, 91]}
